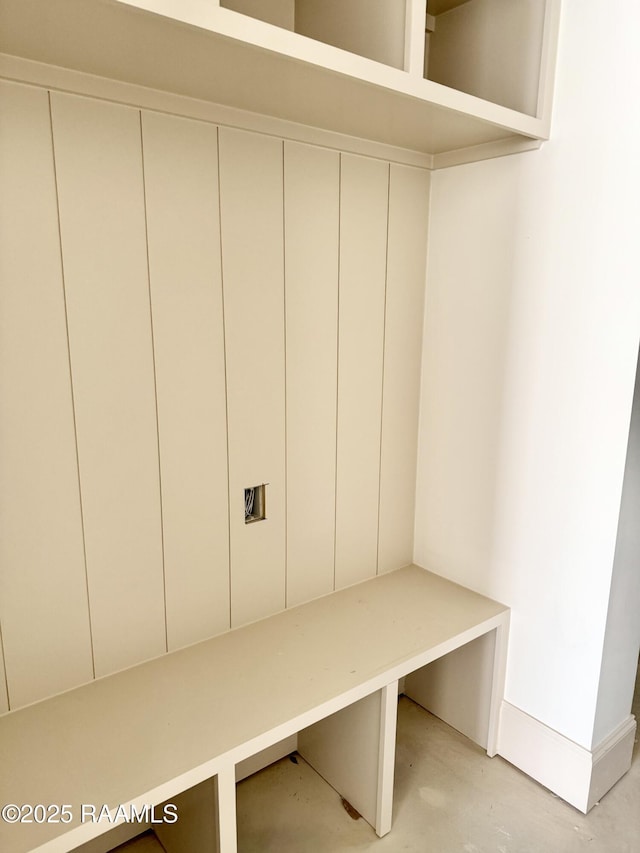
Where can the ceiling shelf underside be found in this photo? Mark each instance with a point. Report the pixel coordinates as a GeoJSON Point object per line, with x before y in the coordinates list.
{"type": "Point", "coordinates": [117, 41]}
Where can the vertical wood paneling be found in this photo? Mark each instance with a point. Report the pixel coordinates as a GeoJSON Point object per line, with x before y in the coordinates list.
{"type": "Point", "coordinates": [129, 362]}
{"type": "Point", "coordinates": [4, 697]}
{"type": "Point", "coordinates": [312, 197]}
{"type": "Point", "coordinates": [43, 595]}
{"type": "Point", "coordinates": [99, 169]}
{"type": "Point", "coordinates": [251, 194]}
{"type": "Point", "coordinates": [181, 183]}
{"type": "Point", "coordinates": [363, 241]}
{"type": "Point", "coordinates": [406, 269]}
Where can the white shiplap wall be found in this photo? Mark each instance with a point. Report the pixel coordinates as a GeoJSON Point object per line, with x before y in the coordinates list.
{"type": "Point", "coordinates": [185, 276]}
{"type": "Point", "coordinates": [188, 310]}
{"type": "Point", "coordinates": [43, 589]}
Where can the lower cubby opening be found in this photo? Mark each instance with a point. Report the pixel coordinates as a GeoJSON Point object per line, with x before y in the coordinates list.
{"type": "Point", "coordinates": [195, 829]}
{"type": "Point", "coordinates": [289, 808]}
{"type": "Point", "coordinates": [145, 843]}
{"type": "Point", "coordinates": [124, 838]}
{"type": "Point", "coordinates": [391, 768]}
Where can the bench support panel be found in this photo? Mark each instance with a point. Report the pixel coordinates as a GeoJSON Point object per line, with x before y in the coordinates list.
{"type": "Point", "coordinates": [227, 826]}
{"type": "Point", "coordinates": [386, 757]}
{"type": "Point", "coordinates": [465, 687]}
{"type": "Point", "coordinates": [197, 826]}
{"type": "Point", "coordinates": [353, 750]}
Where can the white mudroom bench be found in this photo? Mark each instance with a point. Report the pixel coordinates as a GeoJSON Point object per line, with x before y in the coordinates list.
{"type": "Point", "coordinates": [176, 729]}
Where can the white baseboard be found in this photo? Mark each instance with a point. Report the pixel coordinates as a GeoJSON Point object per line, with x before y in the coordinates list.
{"type": "Point", "coordinates": [577, 775]}
{"type": "Point", "coordinates": [611, 760]}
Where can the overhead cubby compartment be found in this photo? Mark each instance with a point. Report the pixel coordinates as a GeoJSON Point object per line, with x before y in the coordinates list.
{"type": "Point", "coordinates": [488, 48]}
{"type": "Point", "coordinates": [376, 31]}
{"type": "Point", "coordinates": [491, 49]}
{"type": "Point", "coordinates": [453, 81]}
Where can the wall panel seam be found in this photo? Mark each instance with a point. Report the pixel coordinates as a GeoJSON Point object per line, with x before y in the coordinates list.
{"type": "Point", "coordinates": [4, 668]}
{"type": "Point", "coordinates": [384, 341]}
{"type": "Point", "coordinates": [226, 373]}
{"type": "Point", "coordinates": [423, 336]}
{"type": "Point", "coordinates": [286, 443]}
{"type": "Point", "coordinates": [155, 380]}
{"type": "Point", "coordinates": [71, 388]}
{"type": "Point", "coordinates": [335, 502]}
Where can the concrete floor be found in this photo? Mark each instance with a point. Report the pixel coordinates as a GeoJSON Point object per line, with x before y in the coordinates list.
{"type": "Point", "coordinates": [449, 798]}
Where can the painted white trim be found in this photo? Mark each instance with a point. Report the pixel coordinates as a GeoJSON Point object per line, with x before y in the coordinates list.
{"type": "Point", "coordinates": [548, 57]}
{"type": "Point", "coordinates": [415, 24]}
{"type": "Point", "coordinates": [486, 151]}
{"type": "Point", "coordinates": [227, 819]}
{"type": "Point", "coordinates": [612, 759]}
{"type": "Point", "coordinates": [577, 775]}
{"type": "Point", "coordinates": [60, 79]}
{"type": "Point", "coordinates": [386, 758]}
{"type": "Point", "coordinates": [500, 651]}
{"type": "Point", "coordinates": [544, 754]}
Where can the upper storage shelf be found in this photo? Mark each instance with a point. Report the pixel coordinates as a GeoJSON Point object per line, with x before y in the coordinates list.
{"type": "Point", "coordinates": [460, 80]}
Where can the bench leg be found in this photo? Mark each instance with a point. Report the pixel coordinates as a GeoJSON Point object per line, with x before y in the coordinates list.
{"type": "Point", "coordinates": [196, 830]}
{"type": "Point", "coordinates": [497, 686]}
{"type": "Point", "coordinates": [354, 751]}
{"type": "Point", "coordinates": [465, 687]}
{"type": "Point", "coordinates": [227, 826]}
{"type": "Point", "coordinates": [387, 757]}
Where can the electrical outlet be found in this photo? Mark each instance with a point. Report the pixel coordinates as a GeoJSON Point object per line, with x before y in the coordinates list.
{"type": "Point", "coordinates": [254, 504]}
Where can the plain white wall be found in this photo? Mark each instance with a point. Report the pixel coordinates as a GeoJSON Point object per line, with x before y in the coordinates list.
{"type": "Point", "coordinates": [622, 639]}
{"type": "Point", "coordinates": [532, 324]}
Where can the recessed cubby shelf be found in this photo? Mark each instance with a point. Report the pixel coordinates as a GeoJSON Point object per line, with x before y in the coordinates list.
{"type": "Point", "coordinates": [453, 81]}
{"type": "Point", "coordinates": [375, 30]}
{"type": "Point", "coordinates": [488, 48]}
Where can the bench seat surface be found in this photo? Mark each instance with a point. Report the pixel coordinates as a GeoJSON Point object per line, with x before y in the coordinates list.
{"type": "Point", "coordinates": [168, 723]}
